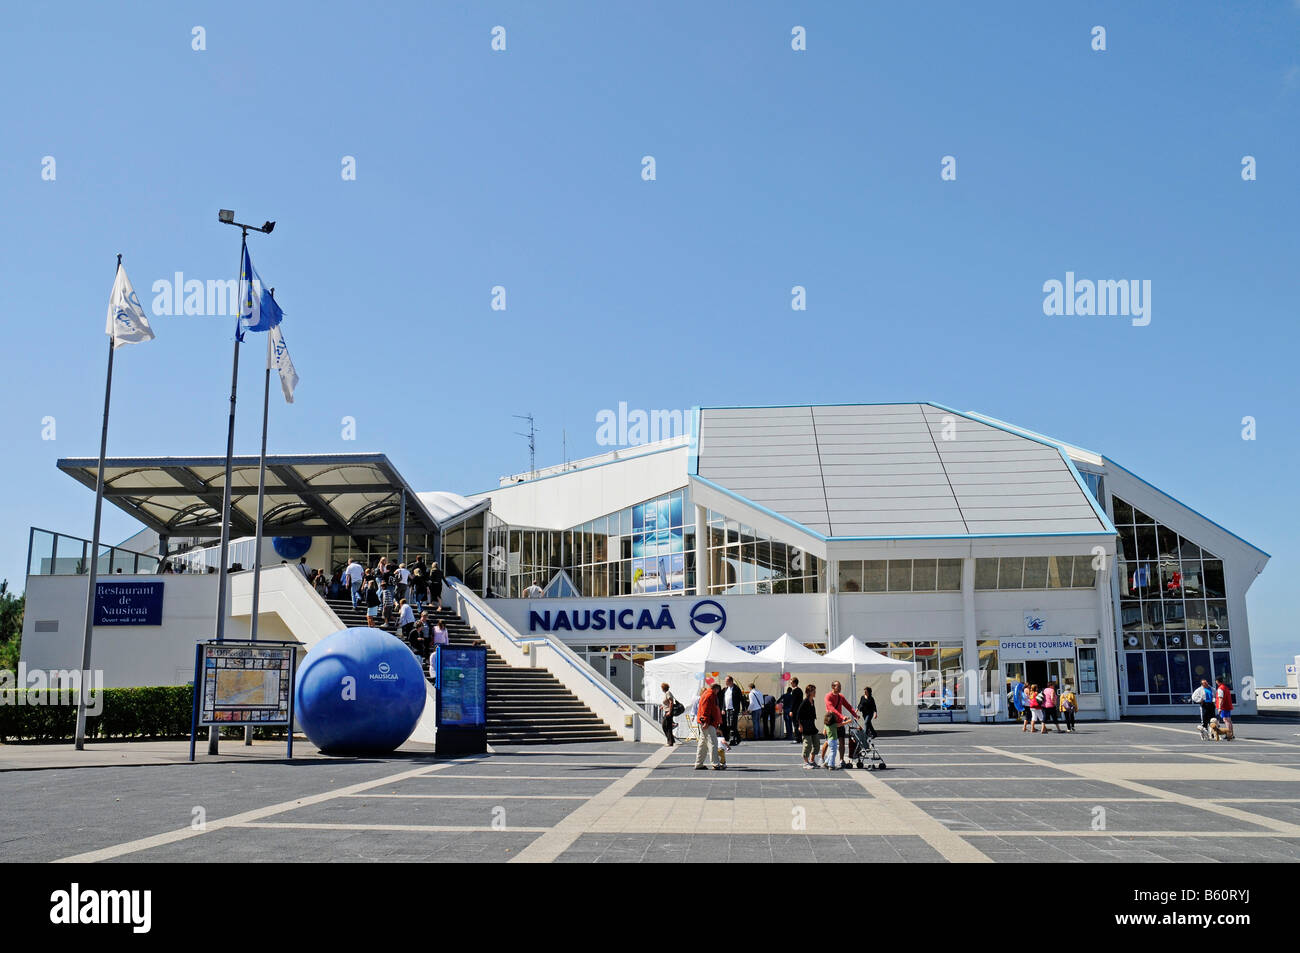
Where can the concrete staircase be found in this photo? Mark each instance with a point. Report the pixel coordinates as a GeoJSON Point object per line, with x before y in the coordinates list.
{"type": "Point", "coordinates": [524, 705]}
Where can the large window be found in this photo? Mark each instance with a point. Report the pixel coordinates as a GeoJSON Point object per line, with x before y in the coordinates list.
{"type": "Point", "coordinates": [1173, 623]}
{"type": "Point", "coordinates": [638, 550]}
{"type": "Point", "coordinates": [1035, 572]}
{"type": "Point", "coordinates": [743, 561]}
{"type": "Point", "coordinates": [899, 575]}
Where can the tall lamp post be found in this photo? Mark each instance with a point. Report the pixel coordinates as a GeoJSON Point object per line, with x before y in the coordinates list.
{"type": "Point", "coordinates": [227, 217]}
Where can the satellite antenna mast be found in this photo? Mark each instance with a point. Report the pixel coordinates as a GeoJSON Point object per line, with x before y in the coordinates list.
{"type": "Point", "coordinates": [532, 442]}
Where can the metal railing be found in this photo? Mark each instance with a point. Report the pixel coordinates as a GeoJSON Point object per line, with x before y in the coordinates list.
{"type": "Point", "coordinates": [58, 554]}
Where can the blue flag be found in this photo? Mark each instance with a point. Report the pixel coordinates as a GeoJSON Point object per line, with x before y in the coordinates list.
{"type": "Point", "coordinates": [257, 309]}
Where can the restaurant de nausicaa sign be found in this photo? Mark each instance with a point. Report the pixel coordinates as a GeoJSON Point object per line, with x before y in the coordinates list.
{"type": "Point", "coordinates": [128, 603]}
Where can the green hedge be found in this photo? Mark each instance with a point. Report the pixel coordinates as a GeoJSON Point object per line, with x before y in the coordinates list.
{"type": "Point", "coordinates": [127, 714]}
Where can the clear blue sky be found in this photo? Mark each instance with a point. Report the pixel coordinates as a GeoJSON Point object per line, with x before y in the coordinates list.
{"type": "Point", "coordinates": [775, 168]}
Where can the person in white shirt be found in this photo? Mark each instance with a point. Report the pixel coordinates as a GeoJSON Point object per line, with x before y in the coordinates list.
{"type": "Point", "coordinates": [405, 617]}
{"type": "Point", "coordinates": [440, 634]}
{"type": "Point", "coordinates": [756, 700]}
{"type": "Point", "coordinates": [355, 574]}
{"type": "Point", "coordinates": [533, 592]}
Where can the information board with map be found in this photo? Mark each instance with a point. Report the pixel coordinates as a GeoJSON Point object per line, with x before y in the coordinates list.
{"type": "Point", "coordinates": [461, 687]}
{"type": "Point", "coordinates": [245, 684]}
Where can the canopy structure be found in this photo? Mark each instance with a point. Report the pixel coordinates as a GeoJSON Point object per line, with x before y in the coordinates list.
{"type": "Point", "coordinates": [710, 657]}
{"type": "Point", "coordinates": [793, 656]}
{"type": "Point", "coordinates": [333, 494]}
{"type": "Point", "coordinates": [897, 711]}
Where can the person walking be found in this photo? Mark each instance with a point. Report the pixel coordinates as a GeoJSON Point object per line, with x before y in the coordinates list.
{"type": "Point", "coordinates": [1051, 708]}
{"type": "Point", "coordinates": [1204, 696]}
{"type": "Point", "coordinates": [836, 703]}
{"type": "Point", "coordinates": [371, 598]}
{"type": "Point", "coordinates": [867, 704]}
{"type": "Point", "coordinates": [1035, 709]}
{"type": "Point", "coordinates": [1018, 702]}
{"type": "Point", "coordinates": [405, 618]}
{"type": "Point", "coordinates": [709, 720]}
{"type": "Point", "coordinates": [756, 711]}
{"type": "Point", "coordinates": [806, 716]}
{"type": "Point", "coordinates": [1069, 705]}
{"type": "Point", "coordinates": [790, 702]}
{"type": "Point", "coordinates": [355, 575]}
{"type": "Point", "coordinates": [667, 705]}
{"type": "Point", "coordinates": [1223, 704]}
{"type": "Point", "coordinates": [434, 577]}
{"type": "Point", "coordinates": [733, 703]}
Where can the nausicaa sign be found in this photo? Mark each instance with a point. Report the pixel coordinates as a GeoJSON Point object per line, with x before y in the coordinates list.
{"type": "Point", "coordinates": [704, 616]}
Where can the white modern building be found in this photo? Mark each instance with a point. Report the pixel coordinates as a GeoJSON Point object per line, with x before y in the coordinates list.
{"type": "Point", "coordinates": [979, 550]}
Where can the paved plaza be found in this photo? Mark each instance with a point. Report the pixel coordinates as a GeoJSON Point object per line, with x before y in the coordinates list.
{"type": "Point", "coordinates": [1131, 791]}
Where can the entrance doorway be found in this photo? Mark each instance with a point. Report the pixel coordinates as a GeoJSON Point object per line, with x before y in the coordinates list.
{"type": "Point", "coordinates": [1036, 672]}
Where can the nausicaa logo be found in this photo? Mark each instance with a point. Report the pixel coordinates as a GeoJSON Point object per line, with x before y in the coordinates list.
{"type": "Point", "coordinates": [383, 674]}
{"type": "Point", "coordinates": [708, 616]}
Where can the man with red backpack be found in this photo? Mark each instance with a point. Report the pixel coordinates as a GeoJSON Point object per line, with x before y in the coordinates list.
{"type": "Point", "coordinates": [709, 719]}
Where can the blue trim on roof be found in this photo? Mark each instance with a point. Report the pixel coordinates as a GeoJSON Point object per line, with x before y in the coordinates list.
{"type": "Point", "coordinates": [594, 466]}
{"type": "Point", "coordinates": [1185, 506]}
{"type": "Point", "coordinates": [985, 418]}
{"type": "Point", "coordinates": [1100, 513]}
{"type": "Point", "coordinates": [759, 506]}
{"type": "Point", "coordinates": [838, 403]}
{"type": "Point", "coordinates": [693, 461]}
{"type": "Point", "coordinates": [840, 539]}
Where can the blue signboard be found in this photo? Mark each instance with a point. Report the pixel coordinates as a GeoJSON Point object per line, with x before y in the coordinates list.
{"type": "Point", "coordinates": [128, 603]}
{"type": "Point", "coordinates": [461, 687]}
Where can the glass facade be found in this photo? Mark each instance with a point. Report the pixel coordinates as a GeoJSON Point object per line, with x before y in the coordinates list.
{"type": "Point", "coordinates": [57, 554]}
{"type": "Point", "coordinates": [1035, 572]}
{"type": "Point", "coordinates": [638, 550]}
{"type": "Point", "coordinates": [899, 575]}
{"type": "Point", "coordinates": [474, 551]}
{"type": "Point", "coordinates": [1173, 625]}
{"type": "Point", "coordinates": [744, 562]}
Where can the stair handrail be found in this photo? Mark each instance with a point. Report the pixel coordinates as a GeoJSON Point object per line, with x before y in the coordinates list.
{"type": "Point", "coordinates": [578, 663]}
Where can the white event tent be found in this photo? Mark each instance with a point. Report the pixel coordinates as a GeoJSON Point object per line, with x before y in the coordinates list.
{"type": "Point", "coordinates": [869, 667]}
{"type": "Point", "coordinates": [714, 657]}
{"type": "Point", "coordinates": [710, 656]}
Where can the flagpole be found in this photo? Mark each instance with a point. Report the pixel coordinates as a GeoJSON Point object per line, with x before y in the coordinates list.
{"type": "Point", "coordinates": [80, 738]}
{"type": "Point", "coordinates": [261, 493]}
{"type": "Point", "coordinates": [214, 733]}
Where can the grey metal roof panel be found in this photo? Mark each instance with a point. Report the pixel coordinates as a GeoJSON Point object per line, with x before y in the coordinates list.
{"type": "Point", "coordinates": [887, 470]}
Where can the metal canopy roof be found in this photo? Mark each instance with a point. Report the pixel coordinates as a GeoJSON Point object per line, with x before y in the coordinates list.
{"type": "Point", "coordinates": [893, 471]}
{"type": "Point", "coordinates": [343, 494]}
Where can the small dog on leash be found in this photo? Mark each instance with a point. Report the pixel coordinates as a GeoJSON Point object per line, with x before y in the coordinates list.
{"type": "Point", "coordinates": [1219, 732]}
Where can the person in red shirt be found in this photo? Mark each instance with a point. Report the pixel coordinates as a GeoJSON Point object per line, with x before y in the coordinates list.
{"type": "Point", "coordinates": [835, 702]}
{"type": "Point", "coordinates": [710, 719]}
{"type": "Point", "coordinates": [1223, 702]}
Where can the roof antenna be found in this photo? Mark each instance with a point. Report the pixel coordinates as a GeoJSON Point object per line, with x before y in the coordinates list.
{"type": "Point", "coordinates": [532, 442]}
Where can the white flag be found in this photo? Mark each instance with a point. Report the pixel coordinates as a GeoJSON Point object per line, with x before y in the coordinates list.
{"type": "Point", "coordinates": [127, 323]}
{"type": "Point", "coordinates": [281, 361]}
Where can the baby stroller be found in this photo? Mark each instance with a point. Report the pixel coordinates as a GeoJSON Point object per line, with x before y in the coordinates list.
{"type": "Point", "coordinates": [862, 736]}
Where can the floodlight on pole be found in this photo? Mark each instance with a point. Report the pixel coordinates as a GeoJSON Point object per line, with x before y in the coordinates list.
{"type": "Point", "coordinates": [227, 217]}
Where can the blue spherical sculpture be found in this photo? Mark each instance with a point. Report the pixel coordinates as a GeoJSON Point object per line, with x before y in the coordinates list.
{"type": "Point", "coordinates": [291, 547]}
{"type": "Point", "coordinates": [359, 691]}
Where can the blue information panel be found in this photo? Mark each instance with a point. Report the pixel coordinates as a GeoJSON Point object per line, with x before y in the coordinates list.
{"type": "Point", "coordinates": [461, 687]}
{"type": "Point", "coordinates": [128, 603]}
